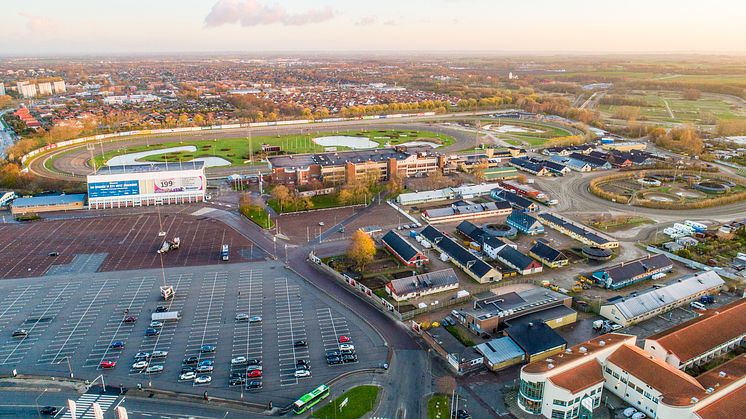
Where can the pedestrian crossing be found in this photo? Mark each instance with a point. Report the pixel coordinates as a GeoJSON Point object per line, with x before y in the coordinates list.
{"type": "Point", "coordinates": [84, 405]}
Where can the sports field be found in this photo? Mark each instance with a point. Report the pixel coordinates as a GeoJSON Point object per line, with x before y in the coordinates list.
{"type": "Point", "coordinates": [534, 133]}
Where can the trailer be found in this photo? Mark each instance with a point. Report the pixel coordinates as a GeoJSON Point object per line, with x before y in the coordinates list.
{"type": "Point", "coordinates": [167, 292]}
{"type": "Point", "coordinates": [169, 245]}
{"type": "Point", "coordinates": [165, 316]}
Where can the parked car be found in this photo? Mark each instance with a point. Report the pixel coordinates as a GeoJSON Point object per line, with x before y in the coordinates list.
{"type": "Point", "coordinates": [20, 333]}
{"type": "Point", "coordinates": [130, 319]}
{"type": "Point", "coordinates": [344, 339]}
{"type": "Point", "coordinates": [302, 373]}
{"type": "Point", "coordinates": [207, 348]}
{"type": "Point", "coordinates": [152, 332]}
{"type": "Point", "coordinates": [117, 344]}
{"type": "Point", "coordinates": [49, 410]}
{"type": "Point", "coordinates": [349, 358]}
{"type": "Point", "coordinates": [185, 370]}
{"type": "Point", "coordinates": [239, 360]}
{"type": "Point", "coordinates": [254, 384]}
{"type": "Point", "coordinates": [161, 309]}
{"type": "Point", "coordinates": [142, 356]}
{"type": "Point", "coordinates": [190, 360]}
{"type": "Point", "coordinates": [154, 369]}
{"type": "Point", "coordinates": [156, 324]}
{"type": "Point", "coordinates": [254, 373]}
{"type": "Point", "coordinates": [203, 379]}
{"type": "Point", "coordinates": [255, 319]}
{"type": "Point", "coordinates": [187, 376]}
{"type": "Point", "coordinates": [299, 343]}
{"type": "Point", "coordinates": [254, 361]}
{"type": "Point", "coordinates": [302, 363]}
{"type": "Point", "coordinates": [107, 364]}
{"type": "Point", "coordinates": [332, 353]}
{"type": "Point", "coordinates": [207, 362]}
{"type": "Point", "coordinates": [204, 368]}
{"type": "Point", "coordinates": [140, 365]}
{"type": "Point", "coordinates": [159, 354]}
{"type": "Point", "coordinates": [346, 347]}
{"type": "Point", "coordinates": [332, 360]}
{"type": "Point", "coordinates": [237, 381]}
{"type": "Point", "coordinates": [242, 317]}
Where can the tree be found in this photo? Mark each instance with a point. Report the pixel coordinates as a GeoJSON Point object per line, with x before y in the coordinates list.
{"type": "Point", "coordinates": [522, 179]}
{"type": "Point", "coordinates": [477, 170]}
{"type": "Point", "coordinates": [362, 249]}
{"type": "Point", "coordinates": [344, 197]}
{"type": "Point", "coordinates": [395, 184]}
{"type": "Point", "coordinates": [282, 195]}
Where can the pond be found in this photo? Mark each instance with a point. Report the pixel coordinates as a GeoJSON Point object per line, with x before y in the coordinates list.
{"type": "Point", "coordinates": [135, 158]}
{"type": "Point", "coordinates": [419, 143]}
{"type": "Point", "coordinates": [345, 141]}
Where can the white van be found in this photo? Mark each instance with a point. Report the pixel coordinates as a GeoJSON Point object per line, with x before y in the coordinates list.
{"type": "Point", "coordinates": [697, 305]}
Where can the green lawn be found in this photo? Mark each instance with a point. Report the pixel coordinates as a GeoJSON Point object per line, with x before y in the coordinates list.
{"type": "Point", "coordinates": [236, 150]}
{"type": "Point", "coordinates": [319, 202]}
{"type": "Point", "coordinates": [258, 215]}
{"type": "Point", "coordinates": [438, 407]}
{"type": "Point", "coordinates": [360, 400]}
{"type": "Point", "coordinates": [687, 111]}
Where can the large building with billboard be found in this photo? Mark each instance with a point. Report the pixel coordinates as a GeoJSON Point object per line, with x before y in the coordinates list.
{"type": "Point", "coordinates": [147, 184]}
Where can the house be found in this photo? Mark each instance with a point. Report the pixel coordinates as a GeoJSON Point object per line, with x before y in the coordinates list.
{"type": "Point", "coordinates": [556, 168]}
{"type": "Point", "coordinates": [460, 358]}
{"type": "Point", "coordinates": [573, 164]}
{"type": "Point", "coordinates": [515, 200]}
{"type": "Point", "coordinates": [548, 255]}
{"type": "Point", "coordinates": [525, 223]}
{"type": "Point", "coordinates": [642, 306]}
{"type": "Point", "coordinates": [403, 250]}
{"type": "Point", "coordinates": [518, 261]}
{"type": "Point", "coordinates": [528, 166]}
{"type": "Point", "coordinates": [537, 340]}
{"type": "Point", "coordinates": [475, 267]}
{"type": "Point", "coordinates": [500, 353]}
{"type": "Point", "coordinates": [578, 231]}
{"type": "Point", "coordinates": [500, 173]}
{"type": "Point", "coordinates": [632, 272]}
{"type": "Point", "coordinates": [423, 284]}
{"type": "Point", "coordinates": [700, 340]}
{"type": "Point", "coordinates": [595, 162]}
{"type": "Point", "coordinates": [470, 231]}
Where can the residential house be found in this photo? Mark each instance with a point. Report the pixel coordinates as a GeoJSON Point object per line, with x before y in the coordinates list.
{"type": "Point", "coordinates": [403, 250]}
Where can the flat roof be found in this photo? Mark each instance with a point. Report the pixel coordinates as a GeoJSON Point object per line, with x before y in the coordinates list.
{"type": "Point", "coordinates": [500, 350]}
{"type": "Point", "coordinates": [148, 168]}
{"type": "Point", "coordinates": [535, 338]}
{"type": "Point", "coordinates": [342, 157]}
{"type": "Point", "coordinates": [38, 201]}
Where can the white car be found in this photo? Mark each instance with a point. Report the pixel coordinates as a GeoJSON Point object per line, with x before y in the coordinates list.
{"type": "Point", "coordinates": [139, 365]}
{"type": "Point", "coordinates": [154, 369]}
{"type": "Point", "coordinates": [254, 367]}
{"type": "Point", "coordinates": [255, 319]}
{"type": "Point", "coordinates": [628, 412]}
{"type": "Point", "coordinates": [203, 379]}
{"type": "Point", "coordinates": [321, 223]}
{"type": "Point", "coordinates": [302, 373]}
{"type": "Point", "coordinates": [159, 354]}
{"type": "Point", "coordinates": [239, 360]}
{"type": "Point", "coordinates": [205, 368]}
{"type": "Point", "coordinates": [242, 317]}
{"type": "Point", "coordinates": [639, 415]}
{"type": "Point", "coordinates": [188, 376]}
{"type": "Point", "coordinates": [156, 324]}
{"type": "Point", "coordinates": [346, 347]}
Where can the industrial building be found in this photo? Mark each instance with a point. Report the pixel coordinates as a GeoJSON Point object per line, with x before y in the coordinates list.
{"type": "Point", "coordinates": [39, 204]}
{"type": "Point", "coordinates": [578, 231]}
{"type": "Point", "coordinates": [475, 267]}
{"type": "Point", "coordinates": [460, 358]}
{"type": "Point", "coordinates": [632, 272]}
{"type": "Point", "coordinates": [147, 184]}
{"type": "Point", "coordinates": [414, 286]}
{"type": "Point", "coordinates": [702, 339]}
{"type": "Point", "coordinates": [656, 301]}
{"type": "Point", "coordinates": [461, 192]}
{"type": "Point", "coordinates": [571, 384]}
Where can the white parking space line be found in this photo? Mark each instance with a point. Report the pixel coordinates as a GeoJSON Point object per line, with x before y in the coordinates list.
{"type": "Point", "coordinates": [247, 336]}
{"type": "Point", "coordinates": [77, 325]}
{"type": "Point", "coordinates": [15, 349]}
{"type": "Point", "coordinates": [15, 301]}
{"type": "Point", "coordinates": [130, 304]}
{"type": "Point", "coordinates": [207, 320]}
{"type": "Point", "coordinates": [291, 327]}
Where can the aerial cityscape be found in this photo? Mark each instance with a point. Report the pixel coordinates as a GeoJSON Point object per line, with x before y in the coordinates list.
{"type": "Point", "coordinates": [450, 209]}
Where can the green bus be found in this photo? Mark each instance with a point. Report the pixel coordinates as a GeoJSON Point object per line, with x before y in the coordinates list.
{"type": "Point", "coordinates": [310, 399]}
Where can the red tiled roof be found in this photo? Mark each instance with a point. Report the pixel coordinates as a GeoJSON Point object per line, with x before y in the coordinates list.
{"type": "Point", "coordinates": [677, 388]}
{"type": "Point", "coordinates": [697, 336]}
{"type": "Point", "coordinates": [729, 406]}
{"type": "Point", "coordinates": [579, 378]}
{"type": "Point", "coordinates": [575, 353]}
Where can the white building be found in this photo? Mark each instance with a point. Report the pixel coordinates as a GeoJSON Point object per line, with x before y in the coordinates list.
{"type": "Point", "coordinates": [26, 89]}
{"type": "Point", "coordinates": [44, 89]}
{"type": "Point", "coordinates": [631, 310]}
{"type": "Point", "coordinates": [147, 184]}
{"type": "Point", "coordinates": [122, 100]}
{"type": "Point", "coordinates": [59, 86]}
{"type": "Point", "coordinates": [2, 89]}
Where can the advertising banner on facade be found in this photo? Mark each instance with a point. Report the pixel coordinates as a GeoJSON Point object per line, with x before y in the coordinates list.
{"type": "Point", "coordinates": [113, 188]}
{"type": "Point", "coordinates": [180, 184]}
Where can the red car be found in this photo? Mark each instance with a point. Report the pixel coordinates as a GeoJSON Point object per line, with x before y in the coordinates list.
{"type": "Point", "coordinates": [344, 339]}
{"type": "Point", "coordinates": [108, 364]}
{"type": "Point", "coordinates": [254, 373]}
{"type": "Point", "coordinates": [130, 319]}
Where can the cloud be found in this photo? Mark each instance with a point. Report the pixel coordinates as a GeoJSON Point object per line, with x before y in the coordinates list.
{"type": "Point", "coordinates": [254, 13]}
{"type": "Point", "coordinates": [366, 20]}
{"type": "Point", "coordinates": [39, 24]}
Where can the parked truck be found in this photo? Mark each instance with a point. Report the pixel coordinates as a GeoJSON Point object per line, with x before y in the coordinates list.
{"type": "Point", "coordinates": [165, 316]}
{"type": "Point", "coordinates": [167, 292]}
{"type": "Point", "coordinates": [169, 245]}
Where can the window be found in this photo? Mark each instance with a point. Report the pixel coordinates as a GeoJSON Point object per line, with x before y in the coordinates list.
{"type": "Point", "coordinates": [560, 402]}
{"type": "Point", "coordinates": [558, 414]}
{"type": "Point", "coordinates": [615, 375]}
{"type": "Point", "coordinates": [608, 370]}
{"type": "Point", "coordinates": [624, 380]}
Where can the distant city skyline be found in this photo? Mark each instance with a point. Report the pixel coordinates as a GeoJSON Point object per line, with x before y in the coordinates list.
{"type": "Point", "coordinates": [540, 26]}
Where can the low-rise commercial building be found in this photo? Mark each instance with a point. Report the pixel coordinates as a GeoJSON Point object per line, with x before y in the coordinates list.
{"type": "Point", "coordinates": [464, 211]}
{"type": "Point", "coordinates": [501, 353]}
{"type": "Point", "coordinates": [475, 267]}
{"type": "Point", "coordinates": [39, 204]}
{"type": "Point", "coordinates": [537, 340]}
{"type": "Point", "coordinates": [548, 255]}
{"type": "Point", "coordinates": [656, 301]}
{"type": "Point", "coordinates": [632, 272]}
{"type": "Point", "coordinates": [460, 358]}
{"type": "Point", "coordinates": [403, 250]}
{"type": "Point", "coordinates": [514, 259]}
{"type": "Point", "coordinates": [525, 223]}
{"type": "Point", "coordinates": [578, 231]}
{"type": "Point", "coordinates": [700, 340]}
{"type": "Point", "coordinates": [516, 201]}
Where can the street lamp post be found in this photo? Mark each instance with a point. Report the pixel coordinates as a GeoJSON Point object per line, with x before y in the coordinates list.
{"type": "Point", "coordinates": [36, 402]}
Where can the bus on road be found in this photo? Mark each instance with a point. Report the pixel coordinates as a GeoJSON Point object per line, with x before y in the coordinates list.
{"type": "Point", "coordinates": [310, 399]}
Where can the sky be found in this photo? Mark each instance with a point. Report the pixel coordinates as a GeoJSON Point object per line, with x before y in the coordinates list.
{"type": "Point", "coordinates": [54, 27]}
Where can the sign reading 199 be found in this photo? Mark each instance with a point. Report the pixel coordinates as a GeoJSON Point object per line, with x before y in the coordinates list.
{"type": "Point", "coordinates": [167, 183]}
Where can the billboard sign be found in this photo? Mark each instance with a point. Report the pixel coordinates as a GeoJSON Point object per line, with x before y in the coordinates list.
{"type": "Point", "coordinates": [180, 184]}
{"type": "Point", "coordinates": [113, 188]}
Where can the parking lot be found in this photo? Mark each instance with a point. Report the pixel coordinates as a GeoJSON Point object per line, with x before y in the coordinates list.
{"type": "Point", "coordinates": [72, 325]}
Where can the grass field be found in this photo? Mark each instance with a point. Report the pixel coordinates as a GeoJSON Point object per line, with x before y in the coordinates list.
{"type": "Point", "coordinates": [533, 139]}
{"type": "Point", "coordinates": [686, 111]}
{"type": "Point", "coordinates": [259, 216]}
{"type": "Point", "coordinates": [236, 150]}
{"type": "Point", "coordinates": [360, 400]}
{"type": "Point", "coordinates": [438, 407]}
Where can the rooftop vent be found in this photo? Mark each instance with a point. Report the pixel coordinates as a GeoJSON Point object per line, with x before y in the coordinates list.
{"type": "Point", "coordinates": [694, 400]}
{"type": "Point", "coordinates": [601, 343]}
{"type": "Point", "coordinates": [722, 374]}
{"type": "Point", "coordinates": [710, 390]}
{"type": "Point", "coordinates": [568, 350]}
{"type": "Point", "coordinates": [550, 366]}
{"type": "Point", "coordinates": [583, 349]}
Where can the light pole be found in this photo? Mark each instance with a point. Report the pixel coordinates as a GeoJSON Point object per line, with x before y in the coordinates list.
{"type": "Point", "coordinates": [36, 402]}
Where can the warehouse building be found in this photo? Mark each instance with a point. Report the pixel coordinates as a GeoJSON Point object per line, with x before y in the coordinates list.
{"type": "Point", "coordinates": [501, 353]}
{"type": "Point", "coordinates": [656, 301]}
{"type": "Point", "coordinates": [39, 204]}
{"type": "Point", "coordinates": [147, 184]}
{"type": "Point", "coordinates": [632, 272]}
{"type": "Point", "coordinates": [461, 192]}
{"type": "Point", "coordinates": [475, 267]}
{"type": "Point", "coordinates": [702, 339]}
{"type": "Point", "coordinates": [578, 231]}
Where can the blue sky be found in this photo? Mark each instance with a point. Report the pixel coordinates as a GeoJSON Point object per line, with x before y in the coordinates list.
{"type": "Point", "coordinates": [105, 26]}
